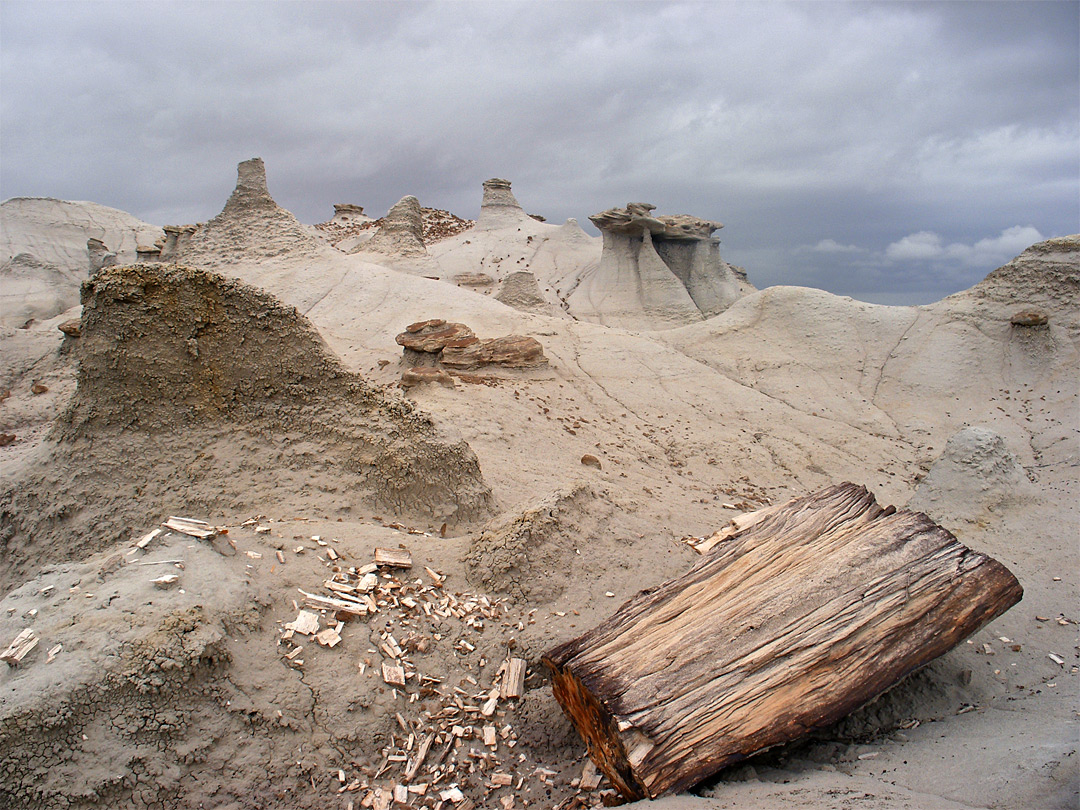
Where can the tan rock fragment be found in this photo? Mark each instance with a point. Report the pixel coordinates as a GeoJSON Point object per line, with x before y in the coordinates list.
{"type": "Point", "coordinates": [419, 375]}
{"type": "Point", "coordinates": [590, 460]}
{"type": "Point", "coordinates": [1029, 317]}
{"type": "Point", "coordinates": [473, 280]}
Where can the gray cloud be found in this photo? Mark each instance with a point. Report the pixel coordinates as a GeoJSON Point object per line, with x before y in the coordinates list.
{"type": "Point", "coordinates": [833, 125]}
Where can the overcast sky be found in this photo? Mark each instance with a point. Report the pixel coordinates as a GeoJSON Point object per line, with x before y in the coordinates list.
{"type": "Point", "coordinates": [894, 152]}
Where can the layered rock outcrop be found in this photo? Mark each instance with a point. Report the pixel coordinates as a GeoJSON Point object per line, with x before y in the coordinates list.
{"type": "Point", "coordinates": [1044, 280]}
{"type": "Point", "coordinates": [176, 241]}
{"type": "Point", "coordinates": [398, 239]}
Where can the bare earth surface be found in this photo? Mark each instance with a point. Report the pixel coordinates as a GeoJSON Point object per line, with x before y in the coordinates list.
{"type": "Point", "coordinates": [263, 396]}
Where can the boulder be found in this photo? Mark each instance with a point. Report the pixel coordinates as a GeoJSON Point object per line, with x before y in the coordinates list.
{"type": "Point", "coordinates": [1029, 317]}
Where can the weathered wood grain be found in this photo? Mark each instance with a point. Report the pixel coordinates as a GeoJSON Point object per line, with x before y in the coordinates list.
{"type": "Point", "coordinates": [784, 626]}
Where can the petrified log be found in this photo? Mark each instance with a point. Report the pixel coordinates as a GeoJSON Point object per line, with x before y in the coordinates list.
{"type": "Point", "coordinates": [786, 626]}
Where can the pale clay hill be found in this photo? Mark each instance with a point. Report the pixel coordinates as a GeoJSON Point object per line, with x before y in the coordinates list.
{"type": "Point", "coordinates": [251, 369]}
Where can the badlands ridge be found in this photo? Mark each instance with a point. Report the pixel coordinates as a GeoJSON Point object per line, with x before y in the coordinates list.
{"type": "Point", "coordinates": [541, 418]}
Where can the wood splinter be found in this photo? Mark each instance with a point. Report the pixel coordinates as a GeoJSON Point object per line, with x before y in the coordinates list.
{"type": "Point", "coordinates": [393, 558]}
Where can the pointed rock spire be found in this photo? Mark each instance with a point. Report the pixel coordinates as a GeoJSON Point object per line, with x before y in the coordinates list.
{"type": "Point", "coordinates": [499, 208]}
{"type": "Point", "coordinates": [251, 226]}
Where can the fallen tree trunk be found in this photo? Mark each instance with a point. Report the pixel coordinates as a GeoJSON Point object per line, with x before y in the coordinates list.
{"type": "Point", "coordinates": [784, 627]}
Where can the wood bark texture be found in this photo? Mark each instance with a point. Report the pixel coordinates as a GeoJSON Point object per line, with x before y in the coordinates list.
{"type": "Point", "coordinates": [784, 627]}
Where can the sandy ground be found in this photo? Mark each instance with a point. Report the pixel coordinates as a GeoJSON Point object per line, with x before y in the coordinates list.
{"type": "Point", "coordinates": [186, 697]}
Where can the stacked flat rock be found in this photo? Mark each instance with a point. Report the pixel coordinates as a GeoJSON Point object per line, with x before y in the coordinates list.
{"type": "Point", "coordinates": [637, 218]}
{"type": "Point", "coordinates": [511, 351]}
{"type": "Point", "coordinates": [457, 346]}
{"type": "Point", "coordinates": [434, 335]}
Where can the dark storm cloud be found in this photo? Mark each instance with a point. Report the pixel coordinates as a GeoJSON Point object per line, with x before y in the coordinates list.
{"type": "Point", "coordinates": [928, 140]}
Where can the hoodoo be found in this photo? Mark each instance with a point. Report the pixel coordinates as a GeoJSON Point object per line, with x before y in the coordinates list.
{"type": "Point", "coordinates": [657, 271]}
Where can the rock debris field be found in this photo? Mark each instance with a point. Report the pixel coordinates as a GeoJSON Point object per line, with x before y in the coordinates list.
{"type": "Point", "coordinates": [290, 515]}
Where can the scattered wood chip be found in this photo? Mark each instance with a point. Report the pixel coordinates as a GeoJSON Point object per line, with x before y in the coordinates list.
{"type": "Point", "coordinates": [191, 521]}
{"type": "Point", "coordinates": [393, 674]}
{"type": "Point", "coordinates": [166, 581]}
{"type": "Point", "coordinates": [198, 529]}
{"type": "Point", "coordinates": [55, 651]}
{"type": "Point", "coordinates": [418, 760]}
{"type": "Point", "coordinates": [513, 683]}
{"type": "Point", "coordinates": [436, 577]}
{"type": "Point", "coordinates": [147, 539]}
{"type": "Point", "coordinates": [328, 637]}
{"type": "Point", "coordinates": [491, 703]}
{"type": "Point", "coordinates": [1057, 659]}
{"type": "Point", "coordinates": [306, 623]}
{"type": "Point", "coordinates": [590, 777]}
{"type": "Point", "coordinates": [18, 649]}
{"type": "Point", "coordinates": [393, 557]}
{"type": "Point", "coordinates": [347, 607]}
{"type": "Point", "coordinates": [452, 794]}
